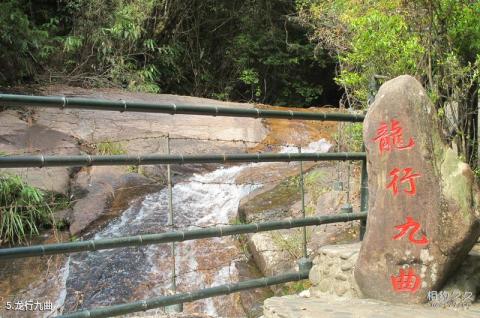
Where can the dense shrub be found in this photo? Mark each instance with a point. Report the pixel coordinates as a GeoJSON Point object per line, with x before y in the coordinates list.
{"type": "Point", "coordinates": [437, 41]}
{"type": "Point", "coordinates": [24, 209]}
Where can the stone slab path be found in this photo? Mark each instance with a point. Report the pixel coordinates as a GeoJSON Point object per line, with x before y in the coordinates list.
{"type": "Point", "coordinates": [325, 307]}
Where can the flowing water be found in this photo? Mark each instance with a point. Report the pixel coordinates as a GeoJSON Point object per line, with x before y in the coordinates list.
{"type": "Point", "coordinates": [102, 278]}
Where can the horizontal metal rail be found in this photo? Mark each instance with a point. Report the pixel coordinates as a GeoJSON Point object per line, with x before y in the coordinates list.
{"type": "Point", "coordinates": [41, 161]}
{"type": "Point", "coordinates": [157, 302]}
{"type": "Point", "coordinates": [8, 100]}
{"type": "Point", "coordinates": [177, 236]}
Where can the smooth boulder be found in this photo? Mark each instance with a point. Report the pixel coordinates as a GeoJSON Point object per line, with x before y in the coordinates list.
{"type": "Point", "coordinates": [423, 200]}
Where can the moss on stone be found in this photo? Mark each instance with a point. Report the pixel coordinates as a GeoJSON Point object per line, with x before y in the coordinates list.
{"type": "Point", "coordinates": [286, 193]}
{"type": "Point", "coordinates": [280, 197]}
{"type": "Point", "coordinates": [438, 150]}
{"type": "Point", "coordinates": [456, 186]}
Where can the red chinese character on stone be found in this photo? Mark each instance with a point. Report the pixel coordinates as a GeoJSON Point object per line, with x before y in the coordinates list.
{"type": "Point", "coordinates": [393, 137]}
{"type": "Point", "coordinates": [414, 226]}
{"type": "Point", "coordinates": [408, 282]}
{"type": "Point", "coordinates": [407, 177]}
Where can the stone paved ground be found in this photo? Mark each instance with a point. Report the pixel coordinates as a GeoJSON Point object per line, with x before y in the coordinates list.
{"type": "Point", "coordinates": [326, 307]}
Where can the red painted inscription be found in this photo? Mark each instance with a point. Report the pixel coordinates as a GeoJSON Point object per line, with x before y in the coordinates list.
{"type": "Point", "coordinates": [406, 282]}
{"type": "Point", "coordinates": [408, 177]}
{"type": "Point", "coordinates": [413, 227]}
{"type": "Point", "coordinates": [389, 139]}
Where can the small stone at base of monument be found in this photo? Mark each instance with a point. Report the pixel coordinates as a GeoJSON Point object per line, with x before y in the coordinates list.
{"type": "Point", "coordinates": [332, 273]}
{"type": "Point", "coordinates": [423, 201]}
{"type": "Point", "coordinates": [333, 263]}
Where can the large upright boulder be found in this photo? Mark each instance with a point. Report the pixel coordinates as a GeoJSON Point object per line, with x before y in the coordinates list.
{"type": "Point", "coordinates": [423, 206]}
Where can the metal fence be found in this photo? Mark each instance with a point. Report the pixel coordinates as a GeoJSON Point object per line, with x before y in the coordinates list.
{"type": "Point", "coordinates": [40, 161]}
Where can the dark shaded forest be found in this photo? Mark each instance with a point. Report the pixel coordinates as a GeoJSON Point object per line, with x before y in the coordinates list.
{"type": "Point", "coordinates": [236, 50]}
{"type": "Point", "coordinates": [280, 52]}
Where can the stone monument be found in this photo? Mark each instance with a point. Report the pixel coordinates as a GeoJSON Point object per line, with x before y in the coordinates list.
{"type": "Point", "coordinates": [423, 201]}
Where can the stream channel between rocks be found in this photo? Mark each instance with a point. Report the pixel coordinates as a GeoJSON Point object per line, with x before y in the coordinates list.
{"type": "Point", "coordinates": [93, 279]}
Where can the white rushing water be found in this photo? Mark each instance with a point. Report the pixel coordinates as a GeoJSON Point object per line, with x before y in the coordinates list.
{"type": "Point", "coordinates": [201, 201]}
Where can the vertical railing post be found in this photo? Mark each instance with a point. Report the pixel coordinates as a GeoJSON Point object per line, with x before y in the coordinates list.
{"type": "Point", "coordinates": [347, 207]}
{"type": "Point", "coordinates": [363, 195]}
{"type": "Point", "coordinates": [177, 307]}
{"type": "Point", "coordinates": [304, 263]}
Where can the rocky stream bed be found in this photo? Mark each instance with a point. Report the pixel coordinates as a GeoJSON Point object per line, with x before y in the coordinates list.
{"type": "Point", "coordinates": [119, 201]}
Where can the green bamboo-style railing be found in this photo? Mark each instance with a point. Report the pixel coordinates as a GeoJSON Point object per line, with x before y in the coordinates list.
{"type": "Point", "coordinates": [8, 100]}
{"type": "Point", "coordinates": [178, 236]}
{"type": "Point", "coordinates": [41, 161]}
{"type": "Point", "coordinates": [152, 303]}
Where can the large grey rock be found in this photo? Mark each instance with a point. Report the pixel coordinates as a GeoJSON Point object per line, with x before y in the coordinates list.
{"type": "Point", "coordinates": [18, 137]}
{"type": "Point", "coordinates": [145, 133]}
{"type": "Point", "coordinates": [270, 258]}
{"type": "Point", "coordinates": [329, 203]}
{"type": "Point", "coordinates": [420, 226]}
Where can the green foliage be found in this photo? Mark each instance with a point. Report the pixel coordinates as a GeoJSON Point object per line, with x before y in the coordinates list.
{"type": "Point", "coordinates": [378, 40]}
{"type": "Point", "coordinates": [313, 186]}
{"type": "Point", "coordinates": [241, 50]}
{"type": "Point", "coordinates": [477, 173]}
{"type": "Point", "coordinates": [295, 287]}
{"type": "Point", "coordinates": [72, 43]}
{"type": "Point", "coordinates": [23, 209]}
{"type": "Point", "coordinates": [353, 133]}
{"type": "Point", "coordinates": [135, 169]}
{"type": "Point", "coordinates": [291, 242]}
{"type": "Point", "coordinates": [390, 38]}
{"type": "Point", "coordinates": [313, 178]}
{"type": "Point", "coordinates": [278, 64]}
{"type": "Point", "coordinates": [26, 40]}
{"type": "Point", "coordinates": [106, 148]}
{"type": "Point", "coordinates": [237, 221]}
{"type": "Point", "coordinates": [435, 41]}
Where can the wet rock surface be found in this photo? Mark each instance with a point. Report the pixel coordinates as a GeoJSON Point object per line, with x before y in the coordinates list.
{"type": "Point", "coordinates": [423, 206]}
{"type": "Point", "coordinates": [89, 280]}
{"type": "Point", "coordinates": [104, 193]}
{"type": "Point", "coordinates": [252, 300]}
{"type": "Point", "coordinates": [146, 133]}
{"type": "Point", "coordinates": [104, 196]}
{"type": "Point", "coordinates": [40, 279]}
